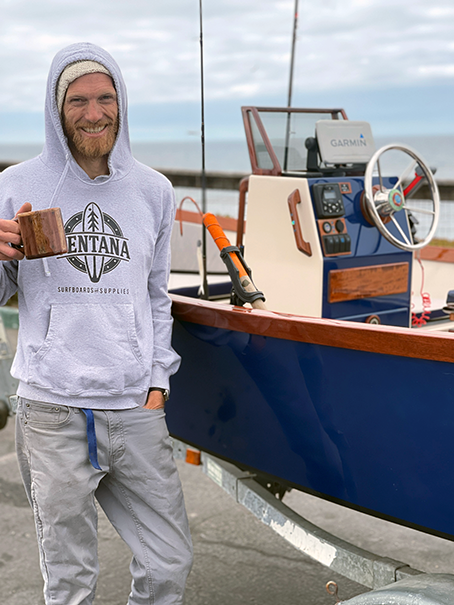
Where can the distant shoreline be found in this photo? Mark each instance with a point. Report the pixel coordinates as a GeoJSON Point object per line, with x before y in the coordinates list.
{"type": "Point", "coordinates": [232, 155]}
{"type": "Point", "coordinates": [229, 180]}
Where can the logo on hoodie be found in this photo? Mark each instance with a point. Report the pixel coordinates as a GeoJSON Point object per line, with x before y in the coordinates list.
{"type": "Point", "coordinates": [96, 244]}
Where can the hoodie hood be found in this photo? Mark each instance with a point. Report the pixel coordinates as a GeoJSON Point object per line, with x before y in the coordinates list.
{"type": "Point", "coordinates": [56, 153]}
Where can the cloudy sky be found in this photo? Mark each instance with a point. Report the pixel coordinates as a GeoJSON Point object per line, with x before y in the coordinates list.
{"type": "Point", "coordinates": [390, 62]}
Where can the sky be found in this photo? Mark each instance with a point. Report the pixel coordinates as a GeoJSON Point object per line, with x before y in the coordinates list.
{"type": "Point", "coordinates": [389, 62]}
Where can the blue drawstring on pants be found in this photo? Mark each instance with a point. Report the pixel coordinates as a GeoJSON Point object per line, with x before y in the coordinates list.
{"type": "Point", "coordinates": [91, 438]}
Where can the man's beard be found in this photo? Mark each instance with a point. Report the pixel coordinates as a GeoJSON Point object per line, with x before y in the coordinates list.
{"type": "Point", "coordinates": [91, 148]}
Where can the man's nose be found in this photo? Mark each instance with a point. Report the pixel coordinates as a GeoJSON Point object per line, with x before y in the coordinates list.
{"type": "Point", "coordinates": [94, 112]}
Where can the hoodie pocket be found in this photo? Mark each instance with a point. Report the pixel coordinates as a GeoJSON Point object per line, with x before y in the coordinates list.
{"type": "Point", "coordinates": [90, 349]}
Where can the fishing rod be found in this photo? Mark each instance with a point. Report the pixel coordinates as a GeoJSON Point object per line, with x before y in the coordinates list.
{"type": "Point", "coordinates": [292, 59]}
{"type": "Point", "coordinates": [290, 84]}
{"type": "Point", "coordinates": [204, 286]}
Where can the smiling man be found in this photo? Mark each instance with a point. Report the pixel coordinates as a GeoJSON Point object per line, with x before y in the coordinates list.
{"type": "Point", "coordinates": [89, 116]}
{"type": "Point", "coordinates": [94, 354]}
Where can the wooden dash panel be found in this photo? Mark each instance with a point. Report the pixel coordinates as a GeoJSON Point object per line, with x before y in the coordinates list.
{"type": "Point", "coordinates": [365, 282]}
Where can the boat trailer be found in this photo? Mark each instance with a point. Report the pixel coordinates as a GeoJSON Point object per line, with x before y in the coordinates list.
{"type": "Point", "coordinates": [392, 582]}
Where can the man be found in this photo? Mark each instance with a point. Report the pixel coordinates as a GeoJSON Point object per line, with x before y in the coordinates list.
{"type": "Point", "coordinates": [94, 355]}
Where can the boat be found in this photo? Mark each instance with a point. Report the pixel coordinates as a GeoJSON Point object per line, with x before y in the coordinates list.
{"type": "Point", "coordinates": [343, 386]}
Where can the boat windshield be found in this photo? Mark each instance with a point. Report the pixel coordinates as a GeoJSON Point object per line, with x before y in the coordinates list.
{"type": "Point", "coordinates": [276, 137]}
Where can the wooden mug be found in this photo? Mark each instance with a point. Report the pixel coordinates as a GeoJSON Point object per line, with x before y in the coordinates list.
{"type": "Point", "coordinates": [42, 233]}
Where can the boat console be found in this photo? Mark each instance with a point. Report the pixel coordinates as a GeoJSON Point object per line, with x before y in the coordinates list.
{"type": "Point", "coordinates": [331, 227]}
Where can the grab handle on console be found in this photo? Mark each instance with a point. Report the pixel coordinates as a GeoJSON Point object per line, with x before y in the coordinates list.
{"type": "Point", "coordinates": [294, 199]}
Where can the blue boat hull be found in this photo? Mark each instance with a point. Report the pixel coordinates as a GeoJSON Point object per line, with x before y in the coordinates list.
{"type": "Point", "coordinates": [370, 430]}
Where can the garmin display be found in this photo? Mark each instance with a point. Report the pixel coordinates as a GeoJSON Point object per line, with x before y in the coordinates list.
{"type": "Point", "coordinates": [329, 208]}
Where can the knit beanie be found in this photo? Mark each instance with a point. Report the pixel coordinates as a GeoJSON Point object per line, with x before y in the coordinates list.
{"type": "Point", "coordinates": [74, 71]}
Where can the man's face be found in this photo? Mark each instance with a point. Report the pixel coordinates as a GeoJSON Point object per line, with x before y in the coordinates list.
{"type": "Point", "coordinates": [90, 115]}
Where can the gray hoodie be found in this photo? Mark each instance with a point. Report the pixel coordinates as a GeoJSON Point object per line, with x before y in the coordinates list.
{"type": "Point", "coordinates": [95, 323]}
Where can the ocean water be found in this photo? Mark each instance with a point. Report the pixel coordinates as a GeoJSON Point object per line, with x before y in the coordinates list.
{"type": "Point", "coordinates": [232, 156]}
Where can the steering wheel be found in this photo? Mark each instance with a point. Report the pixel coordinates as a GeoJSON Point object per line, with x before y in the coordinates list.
{"type": "Point", "coordinates": [380, 204]}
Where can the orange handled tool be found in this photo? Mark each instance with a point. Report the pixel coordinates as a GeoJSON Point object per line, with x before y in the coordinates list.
{"type": "Point", "coordinates": [221, 241]}
{"type": "Point", "coordinates": [238, 270]}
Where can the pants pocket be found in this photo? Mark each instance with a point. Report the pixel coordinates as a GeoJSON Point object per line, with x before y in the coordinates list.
{"type": "Point", "coordinates": [44, 415]}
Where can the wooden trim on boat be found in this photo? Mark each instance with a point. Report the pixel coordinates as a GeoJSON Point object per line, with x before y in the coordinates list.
{"type": "Point", "coordinates": [227, 223]}
{"type": "Point", "coordinates": [364, 282]}
{"type": "Point", "coordinates": [437, 253]}
{"type": "Point", "coordinates": [293, 200]}
{"type": "Point", "coordinates": [276, 170]}
{"type": "Point", "coordinates": [250, 140]}
{"type": "Point", "coordinates": [334, 112]}
{"type": "Point", "coordinates": [386, 340]}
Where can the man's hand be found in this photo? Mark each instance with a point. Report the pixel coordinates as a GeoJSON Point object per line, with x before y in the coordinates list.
{"type": "Point", "coordinates": [155, 401]}
{"type": "Point", "coordinates": [10, 234]}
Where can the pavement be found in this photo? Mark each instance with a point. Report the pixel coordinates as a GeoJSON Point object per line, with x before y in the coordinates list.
{"type": "Point", "coordinates": [237, 559]}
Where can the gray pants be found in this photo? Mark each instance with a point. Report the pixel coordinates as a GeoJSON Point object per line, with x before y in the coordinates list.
{"type": "Point", "coordinates": [138, 488]}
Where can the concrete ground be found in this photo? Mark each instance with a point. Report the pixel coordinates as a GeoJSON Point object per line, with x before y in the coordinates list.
{"type": "Point", "coordinates": [237, 559]}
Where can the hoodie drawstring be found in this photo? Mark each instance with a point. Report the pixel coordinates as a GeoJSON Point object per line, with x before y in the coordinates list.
{"type": "Point", "coordinates": [47, 271]}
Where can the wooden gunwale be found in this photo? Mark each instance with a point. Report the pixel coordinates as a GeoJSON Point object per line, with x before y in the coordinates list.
{"type": "Point", "coordinates": [440, 254]}
{"type": "Point", "coordinates": [386, 340]}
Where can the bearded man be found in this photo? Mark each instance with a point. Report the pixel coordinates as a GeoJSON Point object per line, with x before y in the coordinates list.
{"type": "Point", "coordinates": [94, 353]}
